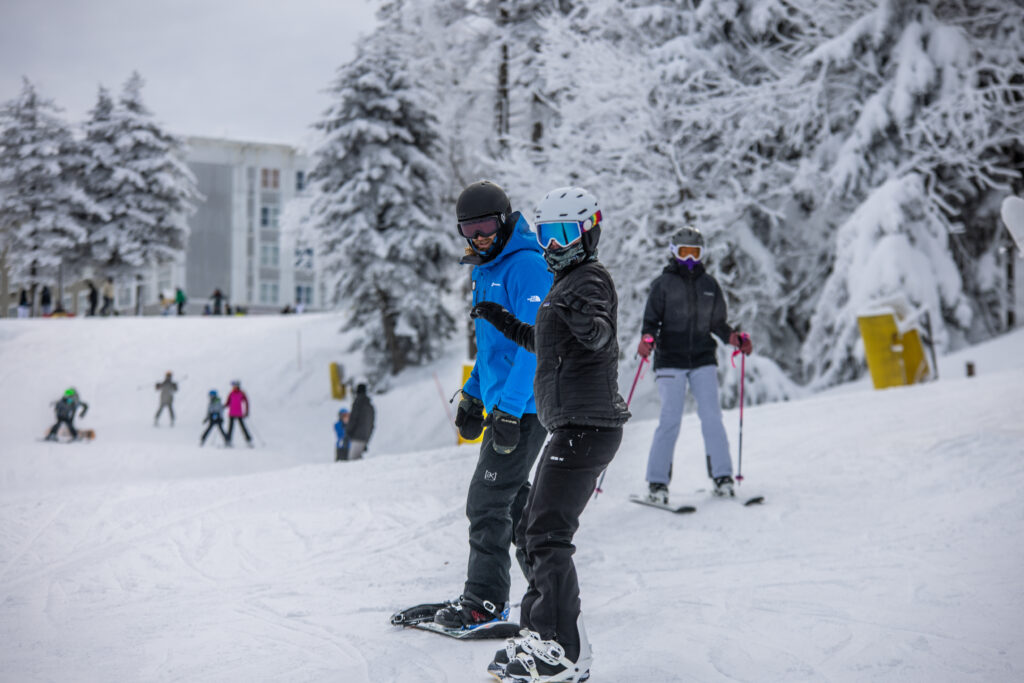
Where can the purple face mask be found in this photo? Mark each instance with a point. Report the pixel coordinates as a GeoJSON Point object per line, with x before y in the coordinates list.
{"type": "Point", "coordinates": [689, 263]}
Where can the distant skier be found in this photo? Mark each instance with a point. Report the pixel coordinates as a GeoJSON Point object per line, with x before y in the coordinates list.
{"type": "Point", "coordinates": [107, 290]}
{"type": "Point", "coordinates": [360, 423]}
{"type": "Point", "coordinates": [166, 388]}
{"type": "Point", "coordinates": [66, 408]}
{"type": "Point", "coordinates": [685, 306]}
{"type": "Point", "coordinates": [94, 296]}
{"type": "Point", "coordinates": [238, 410]}
{"type": "Point", "coordinates": [576, 387]}
{"type": "Point", "coordinates": [179, 300]}
{"type": "Point", "coordinates": [341, 443]}
{"type": "Point", "coordinates": [218, 299]}
{"type": "Point", "coordinates": [24, 309]}
{"type": "Point", "coordinates": [46, 301]}
{"type": "Point", "coordinates": [214, 417]}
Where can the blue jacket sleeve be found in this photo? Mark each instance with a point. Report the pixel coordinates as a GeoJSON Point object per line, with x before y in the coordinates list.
{"type": "Point", "coordinates": [472, 385]}
{"type": "Point", "coordinates": [528, 284]}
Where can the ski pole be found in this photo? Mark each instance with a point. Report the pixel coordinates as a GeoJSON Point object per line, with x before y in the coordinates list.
{"type": "Point", "coordinates": [743, 376]}
{"type": "Point", "coordinates": [636, 379]}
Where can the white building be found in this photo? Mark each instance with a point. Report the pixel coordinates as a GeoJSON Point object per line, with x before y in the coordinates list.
{"type": "Point", "coordinates": [237, 242]}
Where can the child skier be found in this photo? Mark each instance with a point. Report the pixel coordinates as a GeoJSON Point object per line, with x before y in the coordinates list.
{"type": "Point", "coordinates": [341, 443]}
{"type": "Point", "coordinates": [214, 417]}
{"type": "Point", "coordinates": [65, 408]}
{"type": "Point", "coordinates": [576, 389]}
{"type": "Point", "coordinates": [238, 409]}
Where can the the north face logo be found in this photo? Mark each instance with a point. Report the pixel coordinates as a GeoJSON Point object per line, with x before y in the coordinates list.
{"type": "Point", "coordinates": [490, 476]}
{"type": "Point", "coordinates": [534, 299]}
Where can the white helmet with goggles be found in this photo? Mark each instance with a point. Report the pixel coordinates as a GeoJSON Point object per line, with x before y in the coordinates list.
{"type": "Point", "coordinates": [564, 216]}
{"type": "Point", "coordinates": [687, 245]}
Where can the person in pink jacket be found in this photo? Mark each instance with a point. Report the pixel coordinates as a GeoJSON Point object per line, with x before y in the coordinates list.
{"type": "Point", "coordinates": [238, 409]}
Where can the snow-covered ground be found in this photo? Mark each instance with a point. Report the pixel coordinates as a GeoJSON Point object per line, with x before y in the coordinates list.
{"type": "Point", "coordinates": [889, 547]}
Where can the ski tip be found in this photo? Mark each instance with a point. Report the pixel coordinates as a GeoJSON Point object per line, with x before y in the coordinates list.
{"type": "Point", "coordinates": [756, 500]}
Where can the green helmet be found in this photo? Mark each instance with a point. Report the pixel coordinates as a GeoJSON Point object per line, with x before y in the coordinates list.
{"type": "Point", "coordinates": [70, 392]}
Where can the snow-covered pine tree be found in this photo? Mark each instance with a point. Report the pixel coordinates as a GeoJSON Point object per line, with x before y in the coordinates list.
{"type": "Point", "coordinates": [385, 249]}
{"type": "Point", "coordinates": [41, 205]}
{"type": "Point", "coordinates": [136, 172]}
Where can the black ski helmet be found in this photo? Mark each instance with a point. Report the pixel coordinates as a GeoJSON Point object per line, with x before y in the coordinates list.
{"type": "Point", "coordinates": [485, 198]}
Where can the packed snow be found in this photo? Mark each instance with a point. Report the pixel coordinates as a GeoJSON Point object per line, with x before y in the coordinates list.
{"type": "Point", "coordinates": [888, 548]}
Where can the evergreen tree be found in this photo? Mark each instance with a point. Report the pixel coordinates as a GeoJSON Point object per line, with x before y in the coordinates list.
{"type": "Point", "coordinates": [385, 249]}
{"type": "Point", "coordinates": [41, 205]}
{"type": "Point", "coordinates": [135, 171]}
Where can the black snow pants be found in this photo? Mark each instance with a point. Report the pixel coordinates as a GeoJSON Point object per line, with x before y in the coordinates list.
{"type": "Point", "coordinates": [219, 424]}
{"type": "Point", "coordinates": [497, 494]}
{"type": "Point", "coordinates": [565, 481]}
{"type": "Point", "coordinates": [71, 428]}
{"type": "Point", "coordinates": [231, 429]}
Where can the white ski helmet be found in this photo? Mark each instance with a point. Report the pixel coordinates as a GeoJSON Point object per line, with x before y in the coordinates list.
{"type": "Point", "coordinates": [568, 204]}
{"type": "Point", "coordinates": [568, 224]}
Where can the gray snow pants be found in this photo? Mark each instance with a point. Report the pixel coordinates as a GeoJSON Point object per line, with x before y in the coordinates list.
{"type": "Point", "coordinates": [703, 383]}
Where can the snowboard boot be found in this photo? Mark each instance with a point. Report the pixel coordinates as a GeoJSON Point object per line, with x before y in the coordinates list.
{"type": "Point", "coordinates": [657, 493]}
{"type": "Point", "coordinates": [513, 648]}
{"type": "Point", "coordinates": [544, 661]}
{"type": "Point", "coordinates": [723, 487]}
{"type": "Point", "coordinates": [467, 612]}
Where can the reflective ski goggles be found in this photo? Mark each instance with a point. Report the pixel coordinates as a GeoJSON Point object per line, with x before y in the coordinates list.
{"type": "Point", "coordinates": [686, 251]}
{"type": "Point", "coordinates": [479, 227]}
{"type": "Point", "coordinates": [564, 233]}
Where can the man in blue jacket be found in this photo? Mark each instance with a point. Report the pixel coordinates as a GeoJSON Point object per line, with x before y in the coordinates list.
{"type": "Point", "coordinates": [509, 269]}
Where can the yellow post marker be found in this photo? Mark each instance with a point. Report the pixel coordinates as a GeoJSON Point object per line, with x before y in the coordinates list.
{"type": "Point", "coordinates": [467, 369]}
{"type": "Point", "coordinates": [337, 386]}
{"type": "Point", "coordinates": [895, 357]}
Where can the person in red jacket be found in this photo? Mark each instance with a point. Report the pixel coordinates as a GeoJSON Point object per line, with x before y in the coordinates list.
{"type": "Point", "coordinates": [238, 409]}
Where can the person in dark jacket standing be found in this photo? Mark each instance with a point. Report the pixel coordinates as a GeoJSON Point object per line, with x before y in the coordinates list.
{"type": "Point", "coordinates": [360, 423]}
{"type": "Point", "coordinates": [578, 401]}
{"type": "Point", "coordinates": [509, 270]}
{"type": "Point", "coordinates": [685, 306]}
{"type": "Point", "coordinates": [94, 298]}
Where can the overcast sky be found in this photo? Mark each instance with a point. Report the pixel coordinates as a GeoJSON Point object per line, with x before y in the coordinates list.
{"type": "Point", "coordinates": [252, 70]}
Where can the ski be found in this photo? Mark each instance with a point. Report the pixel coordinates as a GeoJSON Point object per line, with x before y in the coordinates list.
{"type": "Point", "coordinates": [755, 500]}
{"type": "Point", "coordinates": [676, 509]}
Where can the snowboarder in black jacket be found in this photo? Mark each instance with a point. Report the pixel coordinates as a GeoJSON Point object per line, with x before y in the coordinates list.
{"type": "Point", "coordinates": [360, 423]}
{"type": "Point", "coordinates": [578, 401]}
{"type": "Point", "coordinates": [66, 408]}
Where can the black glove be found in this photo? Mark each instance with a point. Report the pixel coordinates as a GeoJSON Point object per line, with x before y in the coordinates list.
{"type": "Point", "coordinates": [504, 431]}
{"type": "Point", "coordinates": [494, 313]}
{"type": "Point", "coordinates": [470, 417]}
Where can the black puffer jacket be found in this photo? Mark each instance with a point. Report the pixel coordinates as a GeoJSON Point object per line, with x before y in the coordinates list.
{"type": "Point", "coordinates": [361, 419]}
{"type": "Point", "coordinates": [683, 309]}
{"type": "Point", "coordinates": [577, 380]}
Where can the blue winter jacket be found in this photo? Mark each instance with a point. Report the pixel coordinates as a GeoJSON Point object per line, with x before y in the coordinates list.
{"type": "Point", "coordinates": [518, 279]}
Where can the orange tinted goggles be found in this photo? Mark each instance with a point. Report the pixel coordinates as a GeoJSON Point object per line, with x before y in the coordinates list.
{"type": "Point", "coordinates": [686, 251]}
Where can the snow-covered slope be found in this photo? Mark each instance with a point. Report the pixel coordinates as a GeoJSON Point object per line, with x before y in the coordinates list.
{"type": "Point", "coordinates": [888, 549]}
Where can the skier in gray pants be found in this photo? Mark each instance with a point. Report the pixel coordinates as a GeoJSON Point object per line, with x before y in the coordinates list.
{"type": "Point", "coordinates": [685, 306]}
{"type": "Point", "coordinates": [166, 389]}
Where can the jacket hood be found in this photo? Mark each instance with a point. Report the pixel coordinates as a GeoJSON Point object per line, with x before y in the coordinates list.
{"type": "Point", "coordinates": [522, 239]}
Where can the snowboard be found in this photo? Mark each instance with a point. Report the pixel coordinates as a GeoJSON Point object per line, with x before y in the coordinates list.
{"type": "Point", "coordinates": [676, 509]}
{"type": "Point", "coordinates": [422, 617]}
{"type": "Point", "coordinates": [1012, 212]}
{"type": "Point", "coordinates": [83, 435]}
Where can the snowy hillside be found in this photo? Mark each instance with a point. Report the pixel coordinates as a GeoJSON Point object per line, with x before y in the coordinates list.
{"type": "Point", "coordinates": [888, 549]}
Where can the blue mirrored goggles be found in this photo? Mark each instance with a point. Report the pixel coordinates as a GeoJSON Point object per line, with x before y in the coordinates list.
{"type": "Point", "coordinates": [564, 233]}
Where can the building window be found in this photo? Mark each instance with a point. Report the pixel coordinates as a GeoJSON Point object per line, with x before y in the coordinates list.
{"type": "Point", "coordinates": [304, 258]}
{"type": "Point", "coordinates": [304, 294]}
{"type": "Point", "coordinates": [269, 216]}
{"type": "Point", "coordinates": [270, 178]}
{"type": "Point", "coordinates": [268, 292]}
{"type": "Point", "coordinates": [270, 255]}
